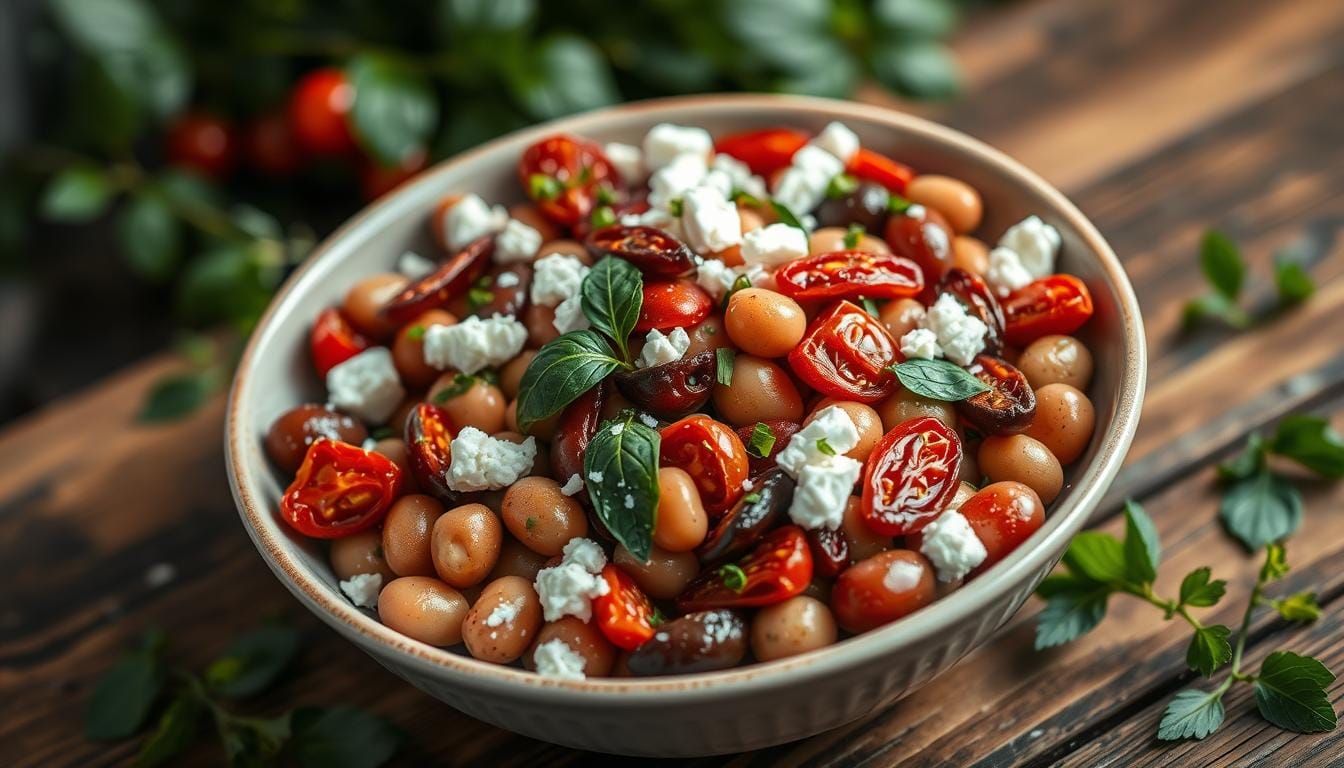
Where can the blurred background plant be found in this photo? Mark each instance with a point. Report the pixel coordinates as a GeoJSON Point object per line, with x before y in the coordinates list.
{"type": "Point", "coordinates": [211, 143]}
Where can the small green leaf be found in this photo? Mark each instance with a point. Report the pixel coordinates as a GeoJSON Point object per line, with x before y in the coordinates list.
{"type": "Point", "coordinates": [254, 742]}
{"type": "Point", "coordinates": [1143, 548]}
{"type": "Point", "coordinates": [1072, 610]}
{"type": "Point", "coordinates": [562, 370]}
{"type": "Point", "coordinates": [841, 185]}
{"type": "Point", "coordinates": [1198, 591]}
{"type": "Point", "coordinates": [938, 379]}
{"type": "Point", "coordinates": [786, 216]}
{"type": "Point", "coordinates": [149, 236]}
{"type": "Point", "coordinates": [1191, 714]}
{"type": "Point", "coordinates": [458, 386]}
{"type": "Point", "coordinates": [1097, 556]}
{"type": "Point", "coordinates": [178, 395]}
{"type": "Point", "coordinates": [1299, 607]}
{"type": "Point", "coordinates": [565, 74]}
{"type": "Point", "coordinates": [1209, 649]}
{"type": "Point", "coordinates": [341, 737]}
{"type": "Point", "coordinates": [762, 440]}
{"type": "Point", "coordinates": [1290, 692]}
{"type": "Point", "coordinates": [1311, 442]}
{"type": "Point", "coordinates": [1216, 306]}
{"type": "Point", "coordinates": [916, 18]}
{"type": "Point", "coordinates": [723, 365]}
{"type": "Point", "coordinates": [1292, 280]}
{"type": "Point", "coordinates": [1247, 463]}
{"type": "Point", "coordinates": [254, 661]}
{"type": "Point", "coordinates": [124, 695]}
{"type": "Point", "coordinates": [1221, 261]}
{"type": "Point", "coordinates": [613, 294]}
{"type": "Point", "coordinates": [1261, 509]}
{"type": "Point", "coordinates": [1276, 563]}
{"type": "Point", "coordinates": [175, 732]}
{"type": "Point", "coordinates": [395, 110]}
{"type": "Point", "coordinates": [824, 447]}
{"type": "Point", "coordinates": [853, 236]}
{"type": "Point", "coordinates": [741, 283]}
{"type": "Point", "coordinates": [488, 15]}
{"type": "Point", "coordinates": [620, 471]}
{"type": "Point", "coordinates": [76, 195]}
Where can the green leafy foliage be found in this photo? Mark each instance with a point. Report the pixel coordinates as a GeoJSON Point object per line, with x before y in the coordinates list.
{"type": "Point", "coordinates": [1292, 281]}
{"type": "Point", "coordinates": [341, 737]}
{"type": "Point", "coordinates": [1299, 607]}
{"type": "Point", "coordinates": [395, 111]}
{"type": "Point", "coordinates": [1143, 548]}
{"type": "Point", "coordinates": [562, 370]}
{"type": "Point", "coordinates": [125, 694]}
{"type": "Point", "coordinates": [1290, 692]}
{"type": "Point", "coordinates": [1198, 590]}
{"type": "Point", "coordinates": [1192, 714]}
{"type": "Point", "coordinates": [938, 379]}
{"type": "Point", "coordinates": [1220, 258]}
{"type": "Point", "coordinates": [254, 661]}
{"type": "Point", "coordinates": [620, 470]}
{"type": "Point", "coordinates": [1073, 609]}
{"type": "Point", "coordinates": [76, 195]}
{"type": "Point", "coordinates": [177, 395]}
{"type": "Point", "coordinates": [175, 732]}
{"type": "Point", "coordinates": [1209, 649]}
{"type": "Point", "coordinates": [1225, 270]}
{"type": "Point", "coordinates": [149, 235]}
{"type": "Point", "coordinates": [1260, 509]}
{"type": "Point", "coordinates": [612, 294]}
{"type": "Point", "coordinates": [1311, 442]}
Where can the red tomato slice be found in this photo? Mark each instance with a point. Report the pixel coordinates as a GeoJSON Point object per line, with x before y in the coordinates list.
{"type": "Point", "coordinates": [712, 454]}
{"type": "Point", "coordinates": [1002, 515]}
{"type": "Point", "coordinates": [911, 476]}
{"type": "Point", "coordinates": [778, 568]}
{"type": "Point", "coordinates": [340, 489]}
{"type": "Point", "coordinates": [333, 340]}
{"type": "Point", "coordinates": [922, 235]}
{"type": "Point", "coordinates": [429, 438]}
{"type": "Point", "coordinates": [764, 151]}
{"type": "Point", "coordinates": [435, 290]}
{"type": "Point", "coordinates": [562, 175]}
{"type": "Point", "coordinates": [672, 304]}
{"type": "Point", "coordinates": [872, 166]}
{"type": "Point", "coordinates": [850, 274]}
{"type": "Point", "coordinates": [845, 354]}
{"type": "Point", "coordinates": [1054, 304]}
{"type": "Point", "coordinates": [624, 614]}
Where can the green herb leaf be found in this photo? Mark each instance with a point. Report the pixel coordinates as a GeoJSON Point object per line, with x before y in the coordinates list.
{"type": "Point", "coordinates": [723, 365]}
{"type": "Point", "coordinates": [1299, 607]}
{"type": "Point", "coordinates": [415, 332]}
{"type": "Point", "coordinates": [562, 370]}
{"type": "Point", "coordinates": [1197, 590]}
{"type": "Point", "coordinates": [543, 187]}
{"type": "Point", "coordinates": [1247, 463]}
{"type": "Point", "coordinates": [620, 471]}
{"type": "Point", "coordinates": [1098, 557]}
{"type": "Point", "coordinates": [1261, 509]}
{"type": "Point", "coordinates": [1073, 608]}
{"type": "Point", "coordinates": [124, 695]}
{"type": "Point", "coordinates": [602, 216]}
{"type": "Point", "coordinates": [612, 295]}
{"type": "Point", "coordinates": [1276, 563]}
{"type": "Point", "coordinates": [916, 18]}
{"type": "Point", "coordinates": [898, 204]}
{"type": "Point", "coordinates": [853, 235]}
{"type": "Point", "coordinates": [1217, 306]}
{"type": "Point", "coordinates": [921, 68]}
{"type": "Point", "coordinates": [459, 386]}
{"type": "Point", "coordinates": [565, 74]}
{"type": "Point", "coordinates": [178, 395]}
{"type": "Point", "coordinates": [341, 737]}
{"type": "Point", "coordinates": [1311, 442]}
{"type": "Point", "coordinates": [824, 447]}
{"type": "Point", "coordinates": [762, 440]}
{"type": "Point", "coordinates": [1209, 649]}
{"type": "Point", "coordinates": [938, 379]}
{"type": "Point", "coordinates": [841, 185]}
{"type": "Point", "coordinates": [1290, 692]}
{"type": "Point", "coordinates": [175, 732]}
{"type": "Point", "coordinates": [1192, 714]}
{"type": "Point", "coordinates": [149, 236]}
{"type": "Point", "coordinates": [254, 741]}
{"type": "Point", "coordinates": [1143, 548]}
{"type": "Point", "coordinates": [786, 216]}
{"type": "Point", "coordinates": [1221, 261]}
{"type": "Point", "coordinates": [254, 661]}
{"type": "Point", "coordinates": [741, 283]}
{"type": "Point", "coordinates": [395, 111]}
{"type": "Point", "coordinates": [479, 297]}
{"type": "Point", "coordinates": [675, 206]}
{"type": "Point", "coordinates": [76, 195]}
{"type": "Point", "coordinates": [1292, 280]}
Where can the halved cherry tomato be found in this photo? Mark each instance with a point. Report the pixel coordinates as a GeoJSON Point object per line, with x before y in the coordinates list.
{"type": "Point", "coordinates": [850, 274]}
{"type": "Point", "coordinates": [333, 340]}
{"type": "Point", "coordinates": [1002, 515]}
{"type": "Point", "coordinates": [711, 454]}
{"type": "Point", "coordinates": [672, 304]}
{"type": "Point", "coordinates": [1009, 404]}
{"type": "Point", "coordinates": [764, 151]}
{"type": "Point", "coordinates": [974, 293]}
{"type": "Point", "coordinates": [872, 166]}
{"type": "Point", "coordinates": [922, 235]}
{"type": "Point", "coordinates": [882, 589]}
{"type": "Point", "coordinates": [624, 614]}
{"type": "Point", "coordinates": [1055, 304]}
{"type": "Point", "coordinates": [562, 175]}
{"type": "Point", "coordinates": [653, 251]}
{"type": "Point", "coordinates": [830, 551]}
{"type": "Point", "coordinates": [340, 489]}
{"type": "Point", "coordinates": [578, 423]}
{"type": "Point", "coordinates": [429, 440]}
{"type": "Point", "coordinates": [779, 567]}
{"type": "Point", "coordinates": [435, 290]}
{"type": "Point", "coordinates": [781, 429]}
{"type": "Point", "coordinates": [911, 476]}
{"type": "Point", "coordinates": [845, 354]}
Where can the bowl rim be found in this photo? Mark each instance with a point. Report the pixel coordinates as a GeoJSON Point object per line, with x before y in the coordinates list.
{"type": "Point", "coordinates": [1046, 545]}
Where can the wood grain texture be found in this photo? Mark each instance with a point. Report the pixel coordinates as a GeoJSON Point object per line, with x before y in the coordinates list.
{"type": "Point", "coordinates": [1158, 118]}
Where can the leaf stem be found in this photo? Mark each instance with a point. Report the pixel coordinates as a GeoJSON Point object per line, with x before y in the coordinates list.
{"type": "Point", "coordinates": [1245, 628]}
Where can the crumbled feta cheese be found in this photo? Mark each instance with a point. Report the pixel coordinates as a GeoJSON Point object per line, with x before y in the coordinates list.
{"type": "Point", "coordinates": [572, 486]}
{"type": "Point", "coordinates": [569, 315]}
{"type": "Point", "coordinates": [474, 343]}
{"type": "Point", "coordinates": [595, 476]}
{"type": "Point", "coordinates": [472, 218]}
{"type": "Point", "coordinates": [414, 266]}
{"type": "Point", "coordinates": [824, 488]}
{"type": "Point", "coordinates": [710, 221]}
{"type": "Point", "coordinates": [717, 278]}
{"type": "Point", "coordinates": [366, 385]}
{"type": "Point", "coordinates": [504, 612]}
{"type": "Point", "coordinates": [586, 553]}
{"type": "Point", "coordinates": [740, 177]}
{"type": "Point", "coordinates": [675, 179]}
{"type": "Point", "coordinates": [363, 589]}
{"type": "Point", "coordinates": [902, 576]}
{"type": "Point", "coordinates": [1035, 243]}
{"type": "Point", "coordinates": [656, 218]}
{"type": "Point", "coordinates": [817, 161]}
{"type": "Point", "coordinates": [660, 349]}
{"type": "Point", "coordinates": [507, 280]}
{"type": "Point", "coordinates": [719, 181]}
{"type": "Point", "coordinates": [555, 278]}
{"type": "Point", "coordinates": [831, 424]}
{"type": "Point", "coordinates": [369, 444]}
{"type": "Point", "coordinates": [629, 501]}
{"type": "Point", "coordinates": [803, 185]}
{"type": "Point", "coordinates": [837, 139]}
{"type": "Point", "coordinates": [648, 420]}
{"type": "Point", "coordinates": [961, 336]}
{"type": "Point", "coordinates": [484, 463]}
{"type": "Point", "coordinates": [568, 589]}
{"type": "Point", "coordinates": [554, 658]}
{"type": "Point", "coordinates": [516, 242]}
{"type": "Point", "coordinates": [665, 142]}
{"type": "Point", "coordinates": [922, 343]}
{"type": "Point", "coordinates": [1006, 273]}
{"type": "Point", "coordinates": [952, 546]}
{"type": "Point", "coordinates": [774, 245]}
{"type": "Point", "coordinates": [617, 428]}
{"type": "Point", "coordinates": [628, 160]}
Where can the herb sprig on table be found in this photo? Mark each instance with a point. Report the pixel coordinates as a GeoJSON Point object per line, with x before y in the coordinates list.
{"type": "Point", "coordinates": [141, 681]}
{"type": "Point", "coordinates": [1225, 269]}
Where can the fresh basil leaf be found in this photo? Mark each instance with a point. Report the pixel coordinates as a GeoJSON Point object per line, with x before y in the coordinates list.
{"type": "Point", "coordinates": [1209, 649]}
{"type": "Point", "coordinates": [395, 111]}
{"type": "Point", "coordinates": [341, 737]}
{"type": "Point", "coordinates": [1221, 261]}
{"type": "Point", "coordinates": [254, 661]}
{"type": "Point", "coordinates": [76, 195]}
{"type": "Point", "coordinates": [1192, 714]}
{"type": "Point", "coordinates": [620, 470]}
{"type": "Point", "coordinates": [1292, 280]}
{"type": "Point", "coordinates": [786, 216]}
{"type": "Point", "coordinates": [1097, 556]}
{"type": "Point", "coordinates": [1217, 306]}
{"type": "Point", "coordinates": [924, 69]}
{"type": "Point", "coordinates": [1199, 591]}
{"type": "Point", "coordinates": [1247, 463]}
{"type": "Point", "coordinates": [149, 236]}
{"type": "Point", "coordinates": [178, 395]}
{"type": "Point", "coordinates": [938, 379]}
{"type": "Point", "coordinates": [124, 695]}
{"type": "Point", "coordinates": [1290, 692]}
{"type": "Point", "coordinates": [1311, 442]}
{"type": "Point", "coordinates": [562, 369]}
{"type": "Point", "coordinates": [1143, 548]}
{"type": "Point", "coordinates": [740, 283]}
{"type": "Point", "coordinates": [723, 365]}
{"type": "Point", "coordinates": [612, 294]}
{"type": "Point", "coordinates": [1261, 509]}
{"type": "Point", "coordinates": [1276, 563]}
{"type": "Point", "coordinates": [175, 732]}
{"type": "Point", "coordinates": [1299, 607]}
{"type": "Point", "coordinates": [1073, 609]}
{"type": "Point", "coordinates": [762, 440]}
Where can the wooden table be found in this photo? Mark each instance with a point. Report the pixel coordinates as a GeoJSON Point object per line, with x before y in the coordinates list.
{"type": "Point", "coordinates": [1159, 118]}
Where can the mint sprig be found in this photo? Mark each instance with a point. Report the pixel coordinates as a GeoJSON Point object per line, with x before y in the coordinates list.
{"type": "Point", "coordinates": [1225, 270]}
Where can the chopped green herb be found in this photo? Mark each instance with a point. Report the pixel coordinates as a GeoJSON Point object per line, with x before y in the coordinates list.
{"type": "Point", "coordinates": [606, 195]}
{"type": "Point", "coordinates": [741, 283]}
{"type": "Point", "coordinates": [415, 332]}
{"type": "Point", "coordinates": [841, 185]}
{"type": "Point", "coordinates": [723, 359]}
{"type": "Point", "coordinates": [657, 618]}
{"type": "Point", "coordinates": [488, 375]}
{"type": "Point", "coordinates": [479, 297]}
{"type": "Point", "coordinates": [752, 498]}
{"type": "Point", "coordinates": [530, 523]}
{"type": "Point", "coordinates": [824, 447]}
{"type": "Point", "coordinates": [762, 440]}
{"type": "Point", "coordinates": [733, 577]}
{"type": "Point", "coordinates": [603, 216]}
{"type": "Point", "coordinates": [898, 204]}
{"type": "Point", "coordinates": [675, 206]}
{"type": "Point", "coordinates": [869, 306]}
{"type": "Point", "coordinates": [854, 235]}
{"type": "Point", "coordinates": [461, 383]}
{"type": "Point", "coordinates": [542, 187]}
{"type": "Point", "coordinates": [740, 197]}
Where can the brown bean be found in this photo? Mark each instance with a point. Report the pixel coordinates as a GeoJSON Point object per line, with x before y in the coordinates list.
{"type": "Point", "coordinates": [511, 373]}
{"type": "Point", "coordinates": [764, 323]}
{"type": "Point", "coordinates": [749, 219]}
{"type": "Point", "coordinates": [829, 239]}
{"type": "Point", "coordinates": [515, 559]}
{"type": "Point", "coordinates": [533, 217]}
{"type": "Point", "coordinates": [360, 553]}
{"type": "Point", "coordinates": [905, 405]}
{"type": "Point", "coordinates": [503, 621]}
{"type": "Point", "coordinates": [664, 576]}
{"type": "Point", "coordinates": [760, 391]}
{"type": "Point", "coordinates": [465, 544]}
{"type": "Point", "coordinates": [364, 303]}
{"type": "Point", "coordinates": [587, 640]}
{"type": "Point", "coordinates": [408, 348]}
{"type": "Point", "coordinates": [1024, 459]}
{"type": "Point", "coordinates": [394, 448]}
{"type": "Point", "coordinates": [1056, 360]}
{"type": "Point", "coordinates": [958, 201]}
{"type": "Point", "coordinates": [291, 433]}
{"type": "Point", "coordinates": [542, 430]}
{"type": "Point", "coordinates": [866, 421]}
{"type": "Point", "coordinates": [480, 405]}
{"type": "Point", "coordinates": [708, 335]}
{"type": "Point", "coordinates": [423, 608]}
{"type": "Point", "coordinates": [540, 322]}
{"type": "Point", "coordinates": [863, 541]}
{"type": "Point", "coordinates": [1064, 421]}
{"type": "Point", "coordinates": [681, 522]}
{"type": "Point", "coordinates": [407, 534]}
{"type": "Point", "coordinates": [900, 316]}
{"type": "Point", "coordinates": [970, 254]}
{"type": "Point", "coordinates": [566, 247]}
{"type": "Point", "coordinates": [541, 517]}
{"type": "Point", "coordinates": [797, 625]}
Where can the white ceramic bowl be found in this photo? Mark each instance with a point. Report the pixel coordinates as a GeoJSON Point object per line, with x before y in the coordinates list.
{"type": "Point", "coordinates": [748, 707]}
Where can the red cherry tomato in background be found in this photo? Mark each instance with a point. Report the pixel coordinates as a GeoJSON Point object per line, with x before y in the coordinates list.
{"type": "Point", "coordinates": [764, 151]}
{"type": "Point", "coordinates": [333, 340]}
{"type": "Point", "coordinates": [340, 489]}
{"type": "Point", "coordinates": [377, 180]}
{"type": "Point", "coordinates": [872, 166]}
{"type": "Point", "coordinates": [712, 454]}
{"type": "Point", "coordinates": [1055, 304]}
{"type": "Point", "coordinates": [202, 143]}
{"type": "Point", "coordinates": [850, 274]}
{"type": "Point", "coordinates": [319, 112]}
{"type": "Point", "coordinates": [269, 146]}
{"type": "Point", "coordinates": [777, 568]}
{"type": "Point", "coordinates": [672, 304]}
{"type": "Point", "coordinates": [882, 589]}
{"type": "Point", "coordinates": [911, 476]}
{"type": "Point", "coordinates": [562, 175]}
{"type": "Point", "coordinates": [844, 354]}
{"type": "Point", "coordinates": [624, 614]}
{"type": "Point", "coordinates": [429, 440]}
{"type": "Point", "coordinates": [435, 290]}
{"type": "Point", "coordinates": [1002, 515]}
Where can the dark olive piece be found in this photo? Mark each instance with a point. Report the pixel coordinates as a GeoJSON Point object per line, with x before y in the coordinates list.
{"type": "Point", "coordinates": [1009, 404]}
{"type": "Point", "coordinates": [704, 641]}
{"type": "Point", "coordinates": [670, 390]}
{"type": "Point", "coordinates": [866, 205]}
{"type": "Point", "coordinates": [756, 512]}
{"type": "Point", "coordinates": [653, 251]}
{"type": "Point", "coordinates": [830, 551]}
{"type": "Point", "coordinates": [293, 431]}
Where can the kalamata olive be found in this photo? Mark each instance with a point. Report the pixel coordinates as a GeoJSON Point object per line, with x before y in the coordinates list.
{"type": "Point", "coordinates": [507, 295]}
{"type": "Point", "coordinates": [754, 514]}
{"type": "Point", "coordinates": [670, 390]}
{"type": "Point", "coordinates": [865, 205]}
{"type": "Point", "coordinates": [830, 551]}
{"type": "Point", "coordinates": [577, 425]}
{"type": "Point", "coordinates": [703, 641]}
{"type": "Point", "coordinates": [672, 304]}
{"type": "Point", "coordinates": [1009, 404]}
{"type": "Point", "coordinates": [974, 293]}
{"type": "Point", "coordinates": [294, 430]}
{"type": "Point", "coordinates": [436, 289]}
{"type": "Point", "coordinates": [923, 235]}
{"type": "Point", "coordinates": [653, 251]}
{"type": "Point", "coordinates": [781, 430]}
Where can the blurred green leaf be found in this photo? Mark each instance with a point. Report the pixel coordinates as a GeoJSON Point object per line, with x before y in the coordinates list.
{"type": "Point", "coordinates": [175, 732]}
{"type": "Point", "coordinates": [395, 110]}
{"type": "Point", "coordinates": [149, 236]}
{"type": "Point", "coordinates": [177, 395]}
{"type": "Point", "coordinates": [1292, 280]}
{"type": "Point", "coordinates": [124, 695]}
{"type": "Point", "coordinates": [568, 74]}
{"type": "Point", "coordinates": [922, 69]}
{"type": "Point", "coordinates": [341, 737]}
{"type": "Point", "coordinates": [230, 282]}
{"type": "Point", "coordinates": [100, 26]}
{"type": "Point", "coordinates": [462, 15]}
{"type": "Point", "coordinates": [1223, 266]}
{"type": "Point", "coordinates": [790, 34]}
{"type": "Point", "coordinates": [835, 78]}
{"type": "Point", "coordinates": [254, 661]}
{"type": "Point", "coordinates": [102, 114]}
{"type": "Point", "coordinates": [916, 18]}
{"type": "Point", "coordinates": [77, 195]}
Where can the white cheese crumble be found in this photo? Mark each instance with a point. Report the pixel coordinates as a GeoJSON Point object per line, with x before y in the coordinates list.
{"type": "Point", "coordinates": [572, 486]}
{"type": "Point", "coordinates": [902, 576]}
{"type": "Point", "coordinates": [825, 481]}
{"type": "Point", "coordinates": [803, 185]}
{"type": "Point", "coordinates": [1035, 243]}
{"type": "Point", "coordinates": [710, 221]}
{"type": "Point", "coordinates": [363, 589]}
{"type": "Point", "coordinates": [568, 589]}
{"type": "Point", "coordinates": [660, 349]}
{"type": "Point", "coordinates": [366, 385]}
{"type": "Point", "coordinates": [1006, 273]}
{"type": "Point", "coordinates": [656, 218]}
{"type": "Point", "coordinates": [595, 476]}
{"type": "Point", "coordinates": [717, 278]}
{"type": "Point", "coordinates": [414, 266]}
{"type": "Point", "coordinates": [474, 343]}
{"type": "Point", "coordinates": [831, 424]}
{"type": "Point", "coordinates": [484, 463]}
{"type": "Point", "coordinates": [665, 141]}
{"type": "Point", "coordinates": [472, 218]}
{"type": "Point", "coordinates": [921, 343]}
{"type": "Point", "coordinates": [628, 160]}
{"type": "Point", "coordinates": [837, 139]}
{"type": "Point", "coordinates": [675, 179]}
{"type": "Point", "coordinates": [739, 176]}
{"type": "Point", "coordinates": [617, 428]}
{"type": "Point", "coordinates": [952, 546]}
{"type": "Point", "coordinates": [516, 242]}
{"type": "Point", "coordinates": [569, 315]}
{"type": "Point", "coordinates": [504, 612]}
{"type": "Point", "coordinates": [774, 245]}
{"type": "Point", "coordinates": [554, 658]}
{"type": "Point", "coordinates": [507, 280]}
{"type": "Point", "coordinates": [649, 421]}
{"type": "Point", "coordinates": [555, 278]}
{"type": "Point", "coordinates": [961, 336]}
